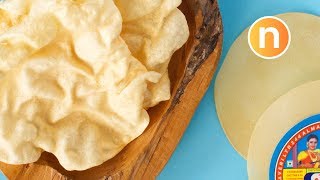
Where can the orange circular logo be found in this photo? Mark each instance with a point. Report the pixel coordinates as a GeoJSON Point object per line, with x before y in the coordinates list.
{"type": "Point", "coordinates": [269, 37]}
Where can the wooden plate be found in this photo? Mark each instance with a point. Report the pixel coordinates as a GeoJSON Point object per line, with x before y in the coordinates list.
{"type": "Point", "coordinates": [191, 70]}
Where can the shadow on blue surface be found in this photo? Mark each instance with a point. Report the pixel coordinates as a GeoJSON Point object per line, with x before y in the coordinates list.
{"type": "Point", "coordinates": [204, 151]}
{"type": "Point", "coordinates": [2, 177]}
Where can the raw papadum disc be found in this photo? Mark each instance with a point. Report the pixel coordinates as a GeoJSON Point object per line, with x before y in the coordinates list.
{"type": "Point", "coordinates": [247, 84]}
{"type": "Point", "coordinates": [286, 112]}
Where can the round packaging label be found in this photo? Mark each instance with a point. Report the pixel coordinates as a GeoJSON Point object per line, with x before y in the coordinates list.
{"type": "Point", "coordinates": [297, 156]}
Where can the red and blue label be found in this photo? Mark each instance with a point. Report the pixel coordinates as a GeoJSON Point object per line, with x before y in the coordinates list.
{"type": "Point", "coordinates": [297, 155]}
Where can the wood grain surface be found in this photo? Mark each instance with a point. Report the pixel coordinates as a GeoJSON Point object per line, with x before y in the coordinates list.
{"type": "Point", "coordinates": [191, 70]}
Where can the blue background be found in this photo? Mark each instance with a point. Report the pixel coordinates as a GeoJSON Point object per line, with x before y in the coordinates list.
{"type": "Point", "coordinates": [204, 152]}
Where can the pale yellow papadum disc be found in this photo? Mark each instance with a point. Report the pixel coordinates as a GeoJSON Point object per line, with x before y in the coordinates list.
{"type": "Point", "coordinates": [290, 109]}
{"type": "Point", "coordinates": [247, 84]}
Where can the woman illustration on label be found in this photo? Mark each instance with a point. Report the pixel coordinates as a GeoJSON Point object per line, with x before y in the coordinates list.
{"type": "Point", "coordinates": [310, 158]}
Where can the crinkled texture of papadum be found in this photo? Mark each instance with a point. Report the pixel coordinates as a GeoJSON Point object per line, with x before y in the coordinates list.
{"type": "Point", "coordinates": [69, 84]}
{"type": "Point", "coordinates": [154, 37]}
{"type": "Point", "coordinates": [134, 9]}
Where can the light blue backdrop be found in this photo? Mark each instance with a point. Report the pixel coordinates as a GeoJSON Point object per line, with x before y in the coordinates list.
{"type": "Point", "coordinates": [204, 152]}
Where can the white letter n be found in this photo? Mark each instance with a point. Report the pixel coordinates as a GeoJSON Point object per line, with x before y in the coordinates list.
{"type": "Point", "coordinates": [262, 37]}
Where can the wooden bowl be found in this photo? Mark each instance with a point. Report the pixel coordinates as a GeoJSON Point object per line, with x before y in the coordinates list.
{"type": "Point", "coordinates": [191, 70]}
